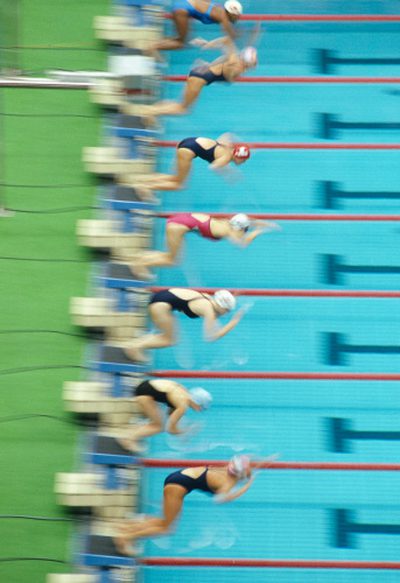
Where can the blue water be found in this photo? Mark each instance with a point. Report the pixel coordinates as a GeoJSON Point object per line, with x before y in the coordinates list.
{"type": "Point", "coordinates": [292, 514]}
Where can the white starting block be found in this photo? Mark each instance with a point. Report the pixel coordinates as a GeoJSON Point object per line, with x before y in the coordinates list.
{"type": "Point", "coordinates": [71, 578]}
{"type": "Point", "coordinates": [107, 161]}
{"type": "Point", "coordinates": [118, 29]}
{"type": "Point", "coordinates": [104, 234]}
{"type": "Point", "coordinates": [102, 313]}
{"type": "Point", "coordinates": [88, 490]}
{"type": "Point", "coordinates": [95, 397]}
{"type": "Point", "coordinates": [108, 92]}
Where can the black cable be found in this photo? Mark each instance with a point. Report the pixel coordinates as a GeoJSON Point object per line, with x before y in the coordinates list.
{"type": "Point", "coordinates": [41, 518]}
{"type": "Point", "coordinates": [70, 209]}
{"type": "Point", "coordinates": [7, 258]}
{"type": "Point", "coordinates": [45, 185]}
{"type": "Point", "coordinates": [70, 421]}
{"type": "Point", "coordinates": [24, 369]}
{"type": "Point", "coordinates": [80, 115]}
{"type": "Point", "coordinates": [47, 559]}
{"type": "Point", "coordinates": [60, 332]}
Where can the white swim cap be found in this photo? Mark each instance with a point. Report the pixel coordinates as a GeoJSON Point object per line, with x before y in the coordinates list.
{"type": "Point", "coordinates": [239, 466]}
{"type": "Point", "coordinates": [240, 222]}
{"type": "Point", "coordinates": [233, 7]}
{"type": "Point", "coordinates": [201, 397]}
{"type": "Point", "coordinates": [225, 299]}
{"type": "Point", "coordinates": [249, 56]}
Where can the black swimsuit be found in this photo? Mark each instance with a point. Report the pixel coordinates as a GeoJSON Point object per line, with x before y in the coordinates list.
{"type": "Point", "coordinates": [208, 76]}
{"type": "Point", "coordinates": [189, 483]}
{"type": "Point", "coordinates": [205, 154]}
{"type": "Point", "coordinates": [177, 304]}
{"type": "Point", "coordinates": [146, 389]}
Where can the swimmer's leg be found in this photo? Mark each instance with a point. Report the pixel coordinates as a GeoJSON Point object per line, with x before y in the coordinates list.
{"type": "Point", "coordinates": [149, 408]}
{"type": "Point", "coordinates": [181, 21]}
{"type": "Point", "coordinates": [162, 317]}
{"type": "Point", "coordinates": [175, 237]}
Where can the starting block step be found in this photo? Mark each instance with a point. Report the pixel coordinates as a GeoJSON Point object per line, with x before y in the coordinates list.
{"type": "Point", "coordinates": [132, 126]}
{"type": "Point", "coordinates": [105, 234]}
{"type": "Point", "coordinates": [105, 450]}
{"type": "Point", "coordinates": [126, 198]}
{"type": "Point", "coordinates": [100, 551]}
{"type": "Point", "coordinates": [94, 397]}
{"type": "Point", "coordinates": [119, 276]}
{"type": "Point", "coordinates": [102, 313]}
{"type": "Point", "coordinates": [107, 161]}
{"type": "Point", "coordinates": [112, 359]}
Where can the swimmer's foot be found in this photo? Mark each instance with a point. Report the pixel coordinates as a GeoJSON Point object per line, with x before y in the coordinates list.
{"type": "Point", "coordinates": [141, 271]}
{"type": "Point", "coordinates": [130, 445]}
{"type": "Point", "coordinates": [123, 547]}
{"type": "Point", "coordinates": [135, 354]}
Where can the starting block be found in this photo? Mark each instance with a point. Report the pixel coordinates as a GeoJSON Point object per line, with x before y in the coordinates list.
{"type": "Point", "coordinates": [90, 490]}
{"type": "Point", "coordinates": [93, 397]}
{"type": "Point", "coordinates": [107, 234]}
{"type": "Point", "coordinates": [112, 359]}
{"type": "Point", "coordinates": [104, 313]}
{"type": "Point", "coordinates": [108, 92]}
{"type": "Point", "coordinates": [132, 126]}
{"type": "Point", "coordinates": [72, 578]}
{"type": "Point", "coordinates": [106, 450]}
{"type": "Point", "coordinates": [119, 276]}
{"type": "Point", "coordinates": [118, 29]}
{"type": "Point", "coordinates": [108, 161]}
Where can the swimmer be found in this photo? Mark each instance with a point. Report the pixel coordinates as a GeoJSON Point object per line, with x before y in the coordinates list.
{"type": "Point", "coordinates": [218, 153]}
{"type": "Point", "coordinates": [239, 230]}
{"type": "Point", "coordinates": [206, 12]}
{"type": "Point", "coordinates": [220, 482]}
{"type": "Point", "coordinates": [194, 305]}
{"type": "Point", "coordinates": [149, 394]}
{"type": "Point", "coordinates": [226, 70]}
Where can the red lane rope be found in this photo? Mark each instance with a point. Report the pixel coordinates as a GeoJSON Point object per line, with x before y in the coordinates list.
{"type": "Point", "coordinates": [296, 293]}
{"type": "Point", "coordinates": [325, 466]}
{"type": "Point", "coordinates": [277, 375]}
{"type": "Point", "coordinates": [269, 563]}
{"type": "Point", "coordinates": [296, 216]}
{"type": "Point", "coordinates": [317, 17]}
{"type": "Point", "coordinates": [309, 79]}
{"type": "Point", "coordinates": [300, 146]}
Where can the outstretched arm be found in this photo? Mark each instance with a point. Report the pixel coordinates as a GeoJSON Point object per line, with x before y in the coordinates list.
{"type": "Point", "coordinates": [213, 331]}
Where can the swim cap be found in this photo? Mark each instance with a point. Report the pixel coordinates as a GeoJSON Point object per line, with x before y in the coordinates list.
{"type": "Point", "coordinates": [225, 299]}
{"type": "Point", "coordinates": [239, 466]}
{"type": "Point", "coordinates": [240, 222]}
{"type": "Point", "coordinates": [241, 151]}
{"type": "Point", "coordinates": [201, 397]}
{"type": "Point", "coordinates": [249, 56]}
{"type": "Point", "coordinates": [233, 7]}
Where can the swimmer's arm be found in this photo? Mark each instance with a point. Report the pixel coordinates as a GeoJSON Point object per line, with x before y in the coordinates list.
{"type": "Point", "coordinates": [172, 425]}
{"type": "Point", "coordinates": [223, 497]}
{"type": "Point", "coordinates": [212, 330]}
{"type": "Point", "coordinates": [219, 15]}
{"type": "Point", "coordinates": [245, 240]}
{"type": "Point", "coordinates": [221, 161]}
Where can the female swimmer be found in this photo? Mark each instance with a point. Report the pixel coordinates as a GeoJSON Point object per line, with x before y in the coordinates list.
{"type": "Point", "coordinates": [218, 153]}
{"type": "Point", "coordinates": [226, 70]}
{"type": "Point", "coordinates": [149, 394]}
{"type": "Point", "coordinates": [220, 482]}
{"type": "Point", "coordinates": [236, 230]}
{"type": "Point", "coordinates": [194, 305]}
{"type": "Point", "coordinates": [205, 11]}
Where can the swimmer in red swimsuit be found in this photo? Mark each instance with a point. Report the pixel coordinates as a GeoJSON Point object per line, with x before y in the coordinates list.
{"type": "Point", "coordinates": [236, 230]}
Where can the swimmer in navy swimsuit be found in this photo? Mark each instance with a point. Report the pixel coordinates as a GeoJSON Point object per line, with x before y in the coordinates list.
{"type": "Point", "coordinates": [223, 482]}
{"type": "Point", "coordinates": [205, 11]}
{"type": "Point", "coordinates": [194, 305]}
{"type": "Point", "coordinates": [149, 395]}
{"type": "Point", "coordinates": [235, 230]}
{"type": "Point", "coordinates": [218, 153]}
{"type": "Point", "coordinates": [226, 70]}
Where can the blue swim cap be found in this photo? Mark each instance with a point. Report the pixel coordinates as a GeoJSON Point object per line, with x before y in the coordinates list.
{"type": "Point", "coordinates": [201, 397]}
